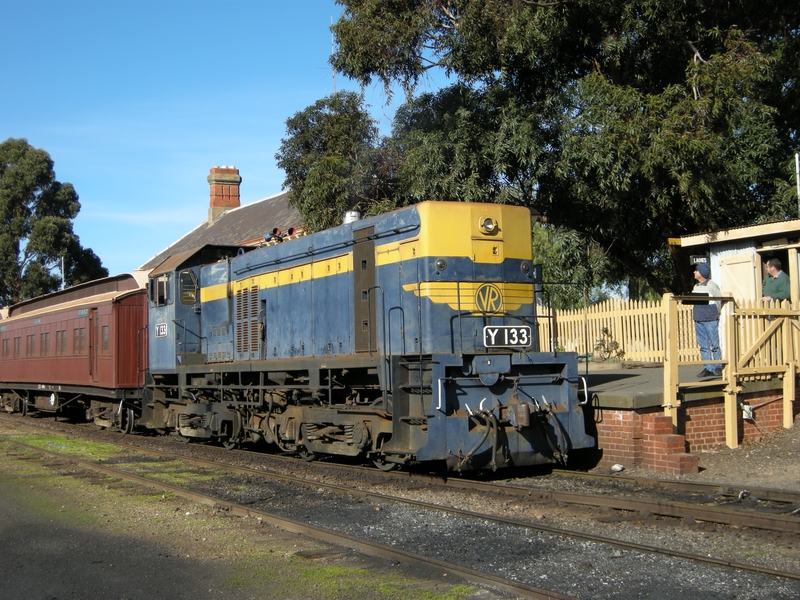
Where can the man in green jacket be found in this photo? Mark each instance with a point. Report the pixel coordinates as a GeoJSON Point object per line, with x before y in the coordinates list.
{"type": "Point", "coordinates": [776, 283]}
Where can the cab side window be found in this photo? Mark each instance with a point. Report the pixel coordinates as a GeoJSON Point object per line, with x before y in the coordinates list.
{"type": "Point", "coordinates": [159, 290]}
{"type": "Point", "coordinates": [188, 287]}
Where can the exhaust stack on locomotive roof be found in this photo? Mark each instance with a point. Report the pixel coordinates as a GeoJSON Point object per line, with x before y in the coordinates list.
{"type": "Point", "coordinates": [351, 216]}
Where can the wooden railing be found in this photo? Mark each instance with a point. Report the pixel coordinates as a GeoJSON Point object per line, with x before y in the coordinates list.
{"type": "Point", "coordinates": [758, 341]}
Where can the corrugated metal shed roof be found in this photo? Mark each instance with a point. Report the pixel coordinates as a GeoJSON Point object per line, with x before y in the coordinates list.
{"type": "Point", "coordinates": [239, 226]}
{"type": "Point", "coordinates": [789, 227]}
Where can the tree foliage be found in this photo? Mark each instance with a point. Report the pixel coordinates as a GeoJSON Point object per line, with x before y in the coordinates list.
{"type": "Point", "coordinates": [627, 122]}
{"type": "Point", "coordinates": [333, 160]}
{"type": "Point", "coordinates": [36, 214]}
{"type": "Point", "coordinates": [574, 272]}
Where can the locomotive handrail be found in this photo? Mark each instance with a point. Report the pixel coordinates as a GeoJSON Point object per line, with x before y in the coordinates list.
{"type": "Point", "coordinates": [384, 335]}
{"type": "Point", "coordinates": [369, 321]}
{"type": "Point", "coordinates": [200, 338]}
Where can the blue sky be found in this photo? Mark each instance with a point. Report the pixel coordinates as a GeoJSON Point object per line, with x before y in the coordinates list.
{"type": "Point", "coordinates": [135, 100]}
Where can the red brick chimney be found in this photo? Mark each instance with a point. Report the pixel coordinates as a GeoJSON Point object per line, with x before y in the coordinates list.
{"type": "Point", "coordinates": [224, 182]}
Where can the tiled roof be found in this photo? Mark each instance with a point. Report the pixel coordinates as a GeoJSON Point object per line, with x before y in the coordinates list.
{"type": "Point", "coordinates": [243, 226]}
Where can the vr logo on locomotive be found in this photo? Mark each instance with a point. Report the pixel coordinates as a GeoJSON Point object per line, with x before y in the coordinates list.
{"type": "Point", "coordinates": [489, 299]}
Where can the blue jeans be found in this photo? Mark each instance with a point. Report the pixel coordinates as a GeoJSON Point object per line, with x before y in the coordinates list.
{"type": "Point", "coordinates": [707, 334]}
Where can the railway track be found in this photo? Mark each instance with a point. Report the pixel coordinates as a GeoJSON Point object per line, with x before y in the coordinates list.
{"type": "Point", "coordinates": [426, 511]}
{"type": "Point", "coordinates": [772, 510]}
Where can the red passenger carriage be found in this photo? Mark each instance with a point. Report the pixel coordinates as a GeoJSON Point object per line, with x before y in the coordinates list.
{"type": "Point", "coordinates": [80, 349]}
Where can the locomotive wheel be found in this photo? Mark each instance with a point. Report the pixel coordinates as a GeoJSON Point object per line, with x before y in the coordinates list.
{"type": "Point", "coordinates": [306, 454]}
{"type": "Point", "coordinates": [381, 463]}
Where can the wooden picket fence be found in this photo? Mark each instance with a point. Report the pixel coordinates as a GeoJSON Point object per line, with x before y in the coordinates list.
{"type": "Point", "coordinates": [637, 326]}
{"type": "Point", "coordinates": [762, 347]}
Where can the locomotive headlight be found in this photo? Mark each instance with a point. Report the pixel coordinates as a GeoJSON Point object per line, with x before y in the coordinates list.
{"type": "Point", "coordinates": [441, 264]}
{"type": "Point", "coordinates": [488, 225]}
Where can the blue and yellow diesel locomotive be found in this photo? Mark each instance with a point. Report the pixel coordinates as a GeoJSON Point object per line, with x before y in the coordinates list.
{"type": "Point", "coordinates": [405, 337]}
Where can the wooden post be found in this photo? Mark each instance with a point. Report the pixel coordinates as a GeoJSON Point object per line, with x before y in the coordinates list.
{"type": "Point", "coordinates": [790, 376]}
{"type": "Point", "coordinates": [671, 401]}
{"type": "Point", "coordinates": [731, 389]}
{"type": "Point", "coordinates": [789, 384]}
{"type": "Point", "coordinates": [793, 275]}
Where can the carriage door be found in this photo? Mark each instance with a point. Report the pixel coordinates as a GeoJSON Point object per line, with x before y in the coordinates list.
{"type": "Point", "coordinates": [94, 328]}
{"type": "Point", "coordinates": [364, 297]}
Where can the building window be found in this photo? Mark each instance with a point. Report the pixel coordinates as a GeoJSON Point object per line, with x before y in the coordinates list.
{"type": "Point", "coordinates": [105, 338]}
{"type": "Point", "coordinates": [44, 345]}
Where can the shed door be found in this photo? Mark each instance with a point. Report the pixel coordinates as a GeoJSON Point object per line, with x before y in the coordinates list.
{"type": "Point", "coordinates": [739, 277]}
{"type": "Point", "coordinates": [364, 294]}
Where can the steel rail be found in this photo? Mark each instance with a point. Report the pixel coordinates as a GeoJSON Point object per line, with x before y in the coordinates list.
{"type": "Point", "coordinates": [665, 508]}
{"type": "Point", "coordinates": [726, 489]}
{"type": "Point", "coordinates": [459, 512]}
{"type": "Point", "coordinates": [341, 539]}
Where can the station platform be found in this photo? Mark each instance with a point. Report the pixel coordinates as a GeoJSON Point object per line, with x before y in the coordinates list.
{"type": "Point", "coordinates": [635, 386]}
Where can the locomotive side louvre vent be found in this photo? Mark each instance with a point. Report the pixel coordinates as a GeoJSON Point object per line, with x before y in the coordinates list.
{"type": "Point", "coordinates": [254, 319]}
{"type": "Point", "coordinates": [247, 319]}
{"type": "Point", "coordinates": [241, 307]}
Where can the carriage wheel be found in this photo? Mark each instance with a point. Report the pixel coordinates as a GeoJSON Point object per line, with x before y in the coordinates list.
{"type": "Point", "coordinates": [126, 420]}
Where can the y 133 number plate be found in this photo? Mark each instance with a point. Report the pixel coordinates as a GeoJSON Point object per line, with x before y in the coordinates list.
{"type": "Point", "coordinates": [504, 336]}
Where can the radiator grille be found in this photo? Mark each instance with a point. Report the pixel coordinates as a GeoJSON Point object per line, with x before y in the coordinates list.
{"type": "Point", "coordinates": [247, 319]}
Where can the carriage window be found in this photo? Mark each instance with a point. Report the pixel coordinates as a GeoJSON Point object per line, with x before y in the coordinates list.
{"type": "Point", "coordinates": [44, 346]}
{"type": "Point", "coordinates": [79, 340]}
{"type": "Point", "coordinates": [159, 290]}
{"type": "Point", "coordinates": [105, 338]}
{"type": "Point", "coordinates": [6, 348]}
{"type": "Point", "coordinates": [188, 284]}
{"type": "Point", "coordinates": [61, 342]}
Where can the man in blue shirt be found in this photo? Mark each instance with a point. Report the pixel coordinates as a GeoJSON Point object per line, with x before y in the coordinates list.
{"type": "Point", "coordinates": [706, 321]}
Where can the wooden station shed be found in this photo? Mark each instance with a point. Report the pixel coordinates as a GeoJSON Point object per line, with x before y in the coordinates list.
{"type": "Point", "coordinates": [737, 256]}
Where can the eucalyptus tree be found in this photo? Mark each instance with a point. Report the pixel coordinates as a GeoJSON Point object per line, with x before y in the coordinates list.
{"type": "Point", "coordinates": [628, 122]}
{"type": "Point", "coordinates": [36, 233]}
{"type": "Point", "coordinates": [334, 161]}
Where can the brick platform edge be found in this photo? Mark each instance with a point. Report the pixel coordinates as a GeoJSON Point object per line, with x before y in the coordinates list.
{"type": "Point", "coordinates": [646, 438]}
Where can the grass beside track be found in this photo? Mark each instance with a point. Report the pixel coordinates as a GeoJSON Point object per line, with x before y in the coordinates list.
{"type": "Point", "coordinates": [252, 558]}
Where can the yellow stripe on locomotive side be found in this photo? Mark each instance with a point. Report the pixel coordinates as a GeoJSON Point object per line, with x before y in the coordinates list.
{"type": "Point", "coordinates": [298, 274]}
{"type": "Point", "coordinates": [475, 297]}
{"type": "Point", "coordinates": [441, 235]}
